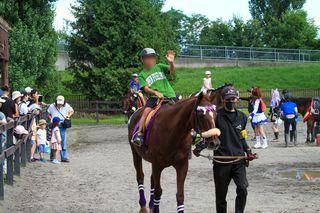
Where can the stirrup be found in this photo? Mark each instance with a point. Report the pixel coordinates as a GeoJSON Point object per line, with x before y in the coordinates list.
{"type": "Point", "coordinates": [138, 140]}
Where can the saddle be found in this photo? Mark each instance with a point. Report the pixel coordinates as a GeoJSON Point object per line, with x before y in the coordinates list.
{"type": "Point", "coordinates": [152, 114]}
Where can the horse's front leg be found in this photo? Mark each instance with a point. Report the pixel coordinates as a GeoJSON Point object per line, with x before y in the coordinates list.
{"type": "Point", "coordinates": [151, 204]}
{"type": "Point", "coordinates": [137, 160]}
{"type": "Point", "coordinates": [156, 174]}
{"type": "Point", "coordinates": [182, 170]}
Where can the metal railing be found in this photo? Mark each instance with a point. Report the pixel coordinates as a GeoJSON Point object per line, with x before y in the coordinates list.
{"type": "Point", "coordinates": [16, 154]}
{"type": "Point", "coordinates": [249, 53]}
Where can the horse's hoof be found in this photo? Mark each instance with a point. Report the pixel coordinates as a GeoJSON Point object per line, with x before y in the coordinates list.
{"type": "Point", "coordinates": [143, 210]}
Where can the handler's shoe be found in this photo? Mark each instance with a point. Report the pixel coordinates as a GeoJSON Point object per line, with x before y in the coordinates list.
{"type": "Point", "coordinates": [264, 143]}
{"type": "Point", "coordinates": [258, 143]}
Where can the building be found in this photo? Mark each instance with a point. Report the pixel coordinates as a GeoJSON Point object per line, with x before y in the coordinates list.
{"type": "Point", "coordinates": [4, 51]}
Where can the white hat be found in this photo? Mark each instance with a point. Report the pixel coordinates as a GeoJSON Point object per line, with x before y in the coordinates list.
{"type": "Point", "coordinates": [2, 100]}
{"type": "Point", "coordinates": [16, 94]}
{"type": "Point", "coordinates": [28, 90]}
{"type": "Point", "coordinates": [135, 75]}
{"type": "Point", "coordinates": [208, 72]}
{"type": "Point", "coordinates": [20, 130]}
{"type": "Point", "coordinates": [60, 99]}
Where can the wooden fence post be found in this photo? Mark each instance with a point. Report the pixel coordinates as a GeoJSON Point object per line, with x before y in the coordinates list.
{"type": "Point", "coordinates": [10, 158]}
{"type": "Point", "coordinates": [17, 161]}
{"type": "Point", "coordinates": [97, 111]}
{"type": "Point", "coordinates": [1, 172]}
{"type": "Point", "coordinates": [28, 143]}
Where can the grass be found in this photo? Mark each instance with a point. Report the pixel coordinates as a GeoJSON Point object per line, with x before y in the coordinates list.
{"type": "Point", "coordinates": [267, 77]}
{"type": "Point", "coordinates": [109, 120]}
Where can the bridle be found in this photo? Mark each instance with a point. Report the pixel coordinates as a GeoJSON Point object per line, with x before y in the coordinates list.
{"type": "Point", "coordinates": [202, 109]}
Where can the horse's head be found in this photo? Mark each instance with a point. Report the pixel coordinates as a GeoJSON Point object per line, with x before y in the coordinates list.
{"type": "Point", "coordinates": [205, 120]}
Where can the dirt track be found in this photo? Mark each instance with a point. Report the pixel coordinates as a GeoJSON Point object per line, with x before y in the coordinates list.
{"type": "Point", "coordinates": [101, 178]}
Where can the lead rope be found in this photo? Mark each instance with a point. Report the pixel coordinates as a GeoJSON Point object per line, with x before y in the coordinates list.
{"type": "Point", "coordinates": [232, 159]}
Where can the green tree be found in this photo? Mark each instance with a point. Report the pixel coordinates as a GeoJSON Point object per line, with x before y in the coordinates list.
{"type": "Point", "coordinates": [109, 35]}
{"type": "Point", "coordinates": [294, 31]}
{"type": "Point", "coordinates": [217, 33]}
{"type": "Point", "coordinates": [33, 44]}
{"type": "Point", "coordinates": [265, 10]}
{"type": "Point", "coordinates": [192, 27]}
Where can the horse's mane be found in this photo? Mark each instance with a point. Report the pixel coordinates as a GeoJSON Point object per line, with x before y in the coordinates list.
{"type": "Point", "coordinates": [221, 87]}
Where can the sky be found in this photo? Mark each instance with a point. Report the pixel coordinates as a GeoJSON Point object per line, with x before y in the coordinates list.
{"type": "Point", "coordinates": [213, 9]}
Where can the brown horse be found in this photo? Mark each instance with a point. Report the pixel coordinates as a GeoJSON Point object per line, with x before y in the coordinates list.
{"type": "Point", "coordinates": [130, 103]}
{"type": "Point", "coordinates": [169, 144]}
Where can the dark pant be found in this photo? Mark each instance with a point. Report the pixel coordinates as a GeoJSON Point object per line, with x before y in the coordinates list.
{"type": "Point", "coordinates": [222, 177]}
{"type": "Point", "coordinates": [287, 123]}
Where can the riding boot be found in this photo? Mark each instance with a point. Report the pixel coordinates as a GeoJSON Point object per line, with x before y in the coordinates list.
{"type": "Point", "coordinates": [286, 139]}
{"type": "Point", "coordinates": [295, 138]}
{"type": "Point", "coordinates": [291, 136]}
{"type": "Point", "coordinates": [258, 143]}
{"type": "Point", "coordinates": [276, 136]}
{"type": "Point", "coordinates": [264, 142]}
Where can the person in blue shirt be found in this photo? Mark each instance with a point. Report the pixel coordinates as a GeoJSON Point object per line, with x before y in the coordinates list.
{"type": "Point", "coordinates": [134, 84]}
{"type": "Point", "coordinates": [289, 111]}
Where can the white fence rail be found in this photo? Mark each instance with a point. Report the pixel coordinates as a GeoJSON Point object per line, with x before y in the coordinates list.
{"type": "Point", "coordinates": [249, 53]}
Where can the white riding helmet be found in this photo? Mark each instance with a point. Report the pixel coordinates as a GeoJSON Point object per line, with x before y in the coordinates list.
{"type": "Point", "coordinates": [208, 73]}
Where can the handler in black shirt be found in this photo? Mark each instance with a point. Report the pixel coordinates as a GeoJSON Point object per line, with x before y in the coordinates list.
{"type": "Point", "coordinates": [232, 124]}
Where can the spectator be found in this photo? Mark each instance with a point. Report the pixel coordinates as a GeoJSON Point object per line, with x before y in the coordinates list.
{"type": "Point", "coordinates": [8, 108]}
{"type": "Point", "coordinates": [275, 113]}
{"type": "Point", "coordinates": [23, 106]}
{"type": "Point", "coordinates": [207, 85]}
{"type": "Point", "coordinates": [56, 140]}
{"type": "Point", "coordinates": [3, 121]}
{"type": "Point", "coordinates": [64, 111]}
{"type": "Point", "coordinates": [42, 139]}
{"type": "Point", "coordinates": [34, 97]}
{"type": "Point", "coordinates": [259, 118]}
{"type": "Point", "coordinates": [16, 96]}
{"type": "Point", "coordinates": [34, 109]}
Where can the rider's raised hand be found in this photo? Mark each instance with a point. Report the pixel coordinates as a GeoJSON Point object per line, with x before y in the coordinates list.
{"type": "Point", "coordinates": [170, 56]}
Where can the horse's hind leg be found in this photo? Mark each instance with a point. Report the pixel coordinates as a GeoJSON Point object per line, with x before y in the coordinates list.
{"type": "Point", "coordinates": [156, 174]}
{"type": "Point", "coordinates": [181, 170]}
{"type": "Point", "coordinates": [137, 160]}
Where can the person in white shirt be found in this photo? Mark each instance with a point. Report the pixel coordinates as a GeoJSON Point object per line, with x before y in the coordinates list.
{"type": "Point", "coordinates": [64, 111]}
{"type": "Point", "coordinates": [42, 139]}
{"type": "Point", "coordinates": [207, 85]}
{"type": "Point", "coordinates": [23, 105]}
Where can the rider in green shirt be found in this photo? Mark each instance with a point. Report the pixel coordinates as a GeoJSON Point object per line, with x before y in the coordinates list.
{"type": "Point", "coordinates": [153, 81]}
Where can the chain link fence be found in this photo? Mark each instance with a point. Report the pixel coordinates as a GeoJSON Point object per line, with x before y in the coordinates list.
{"type": "Point", "coordinates": [249, 53]}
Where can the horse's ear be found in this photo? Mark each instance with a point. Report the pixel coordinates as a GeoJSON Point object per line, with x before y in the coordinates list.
{"type": "Point", "coordinates": [200, 96]}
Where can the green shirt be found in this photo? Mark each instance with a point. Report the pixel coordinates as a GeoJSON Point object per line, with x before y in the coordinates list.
{"type": "Point", "coordinates": [156, 79]}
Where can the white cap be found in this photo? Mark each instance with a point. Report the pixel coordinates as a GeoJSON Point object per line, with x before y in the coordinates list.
{"type": "Point", "coordinates": [28, 90]}
{"type": "Point", "coordinates": [20, 130]}
{"type": "Point", "coordinates": [135, 75]}
{"type": "Point", "coordinates": [16, 94]}
{"type": "Point", "coordinates": [208, 72]}
{"type": "Point", "coordinates": [60, 99]}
